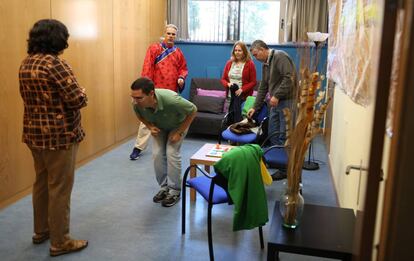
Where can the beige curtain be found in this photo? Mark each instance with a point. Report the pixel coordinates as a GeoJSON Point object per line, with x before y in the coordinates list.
{"type": "Point", "coordinates": [177, 13]}
{"type": "Point", "coordinates": [304, 16]}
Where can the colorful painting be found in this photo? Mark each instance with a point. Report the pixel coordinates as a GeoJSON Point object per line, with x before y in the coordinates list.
{"type": "Point", "coordinates": [352, 26]}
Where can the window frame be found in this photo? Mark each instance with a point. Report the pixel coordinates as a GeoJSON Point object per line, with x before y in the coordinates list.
{"type": "Point", "coordinates": [279, 36]}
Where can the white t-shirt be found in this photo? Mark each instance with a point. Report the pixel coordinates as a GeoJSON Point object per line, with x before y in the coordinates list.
{"type": "Point", "coordinates": [235, 74]}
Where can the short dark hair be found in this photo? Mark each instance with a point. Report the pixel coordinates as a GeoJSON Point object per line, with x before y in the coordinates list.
{"type": "Point", "coordinates": [145, 84]}
{"type": "Point", "coordinates": [48, 36]}
{"type": "Point", "coordinates": [258, 44]}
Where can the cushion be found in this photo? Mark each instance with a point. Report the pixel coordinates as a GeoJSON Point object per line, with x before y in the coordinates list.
{"type": "Point", "coordinates": [211, 93]}
{"type": "Point", "coordinates": [202, 185]}
{"type": "Point", "coordinates": [209, 104]}
{"type": "Point", "coordinates": [242, 139]}
{"type": "Point", "coordinates": [248, 104]}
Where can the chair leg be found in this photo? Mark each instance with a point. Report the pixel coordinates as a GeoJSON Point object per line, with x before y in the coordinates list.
{"type": "Point", "coordinates": [183, 201]}
{"type": "Point", "coordinates": [209, 233]}
{"type": "Point", "coordinates": [261, 237]}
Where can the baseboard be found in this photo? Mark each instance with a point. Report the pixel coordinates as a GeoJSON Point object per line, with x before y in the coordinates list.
{"type": "Point", "coordinates": [15, 197]}
{"type": "Point", "coordinates": [333, 180]}
{"type": "Point", "coordinates": [28, 191]}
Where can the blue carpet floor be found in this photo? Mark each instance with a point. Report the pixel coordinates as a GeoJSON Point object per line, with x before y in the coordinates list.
{"type": "Point", "coordinates": [112, 207]}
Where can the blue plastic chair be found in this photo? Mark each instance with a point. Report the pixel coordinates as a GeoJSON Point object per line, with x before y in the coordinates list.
{"type": "Point", "coordinates": [213, 188]}
{"type": "Point", "coordinates": [275, 156]}
{"type": "Point", "coordinates": [259, 117]}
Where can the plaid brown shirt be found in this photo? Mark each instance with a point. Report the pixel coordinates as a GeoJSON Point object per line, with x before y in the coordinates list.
{"type": "Point", "coordinates": [52, 100]}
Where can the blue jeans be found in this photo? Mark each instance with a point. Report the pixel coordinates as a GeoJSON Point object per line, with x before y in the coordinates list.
{"type": "Point", "coordinates": [167, 162]}
{"type": "Point", "coordinates": [277, 122]}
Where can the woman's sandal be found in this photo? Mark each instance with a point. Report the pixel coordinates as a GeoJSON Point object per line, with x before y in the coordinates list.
{"type": "Point", "coordinates": [69, 246]}
{"type": "Point", "coordinates": [39, 238]}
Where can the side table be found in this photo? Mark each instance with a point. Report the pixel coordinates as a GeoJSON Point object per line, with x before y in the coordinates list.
{"type": "Point", "coordinates": [200, 158]}
{"type": "Point", "coordinates": [324, 232]}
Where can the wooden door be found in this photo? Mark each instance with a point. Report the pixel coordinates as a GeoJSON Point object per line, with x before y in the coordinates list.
{"type": "Point", "coordinates": [365, 225]}
{"type": "Point", "coordinates": [396, 236]}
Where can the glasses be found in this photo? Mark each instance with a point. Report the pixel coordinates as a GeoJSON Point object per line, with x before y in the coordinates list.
{"type": "Point", "coordinates": [137, 99]}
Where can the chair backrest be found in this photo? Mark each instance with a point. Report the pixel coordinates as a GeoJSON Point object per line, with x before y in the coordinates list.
{"type": "Point", "coordinates": [221, 181]}
{"type": "Point", "coordinates": [276, 157]}
{"type": "Point", "coordinates": [261, 114]}
{"type": "Point", "coordinates": [241, 167]}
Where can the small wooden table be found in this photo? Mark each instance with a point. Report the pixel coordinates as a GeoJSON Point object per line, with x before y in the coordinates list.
{"type": "Point", "coordinates": [324, 232]}
{"type": "Point", "coordinates": [200, 158]}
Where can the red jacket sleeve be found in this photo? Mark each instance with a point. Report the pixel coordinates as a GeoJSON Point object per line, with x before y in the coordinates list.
{"type": "Point", "coordinates": [225, 78]}
{"type": "Point", "coordinates": [182, 66]}
{"type": "Point", "coordinates": [248, 78]}
{"type": "Point", "coordinates": [148, 67]}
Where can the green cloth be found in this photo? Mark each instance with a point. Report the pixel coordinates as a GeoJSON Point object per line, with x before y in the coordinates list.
{"type": "Point", "coordinates": [241, 167]}
{"type": "Point", "coordinates": [170, 112]}
{"type": "Point", "coordinates": [248, 104]}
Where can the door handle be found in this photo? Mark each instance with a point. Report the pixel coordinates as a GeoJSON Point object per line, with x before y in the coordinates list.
{"type": "Point", "coordinates": [360, 168]}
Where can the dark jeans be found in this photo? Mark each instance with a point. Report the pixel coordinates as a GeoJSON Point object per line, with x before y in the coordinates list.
{"type": "Point", "coordinates": [277, 122]}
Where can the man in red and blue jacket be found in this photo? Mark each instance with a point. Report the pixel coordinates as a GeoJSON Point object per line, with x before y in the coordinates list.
{"type": "Point", "coordinates": [166, 66]}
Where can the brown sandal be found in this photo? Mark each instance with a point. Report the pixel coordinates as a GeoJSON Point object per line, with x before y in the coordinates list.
{"type": "Point", "coordinates": [69, 246]}
{"type": "Point", "coordinates": [39, 238]}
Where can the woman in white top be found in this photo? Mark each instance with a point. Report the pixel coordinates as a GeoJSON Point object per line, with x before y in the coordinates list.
{"type": "Point", "coordinates": [240, 72]}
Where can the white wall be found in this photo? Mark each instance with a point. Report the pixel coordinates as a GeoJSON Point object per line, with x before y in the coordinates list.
{"type": "Point", "coordinates": [350, 145]}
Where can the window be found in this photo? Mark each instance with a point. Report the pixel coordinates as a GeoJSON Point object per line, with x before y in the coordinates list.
{"type": "Point", "coordinates": [232, 20]}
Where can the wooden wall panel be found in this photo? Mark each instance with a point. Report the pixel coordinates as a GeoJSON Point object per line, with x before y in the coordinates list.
{"type": "Point", "coordinates": [157, 19]}
{"type": "Point", "coordinates": [16, 165]}
{"type": "Point", "coordinates": [137, 24]}
{"type": "Point", "coordinates": [90, 53]}
{"type": "Point", "coordinates": [130, 21]}
{"type": "Point", "coordinates": [107, 45]}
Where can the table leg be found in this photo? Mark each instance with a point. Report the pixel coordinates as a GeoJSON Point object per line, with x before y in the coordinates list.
{"type": "Point", "coordinates": [272, 253]}
{"type": "Point", "coordinates": [207, 168]}
{"type": "Point", "coordinates": [193, 174]}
